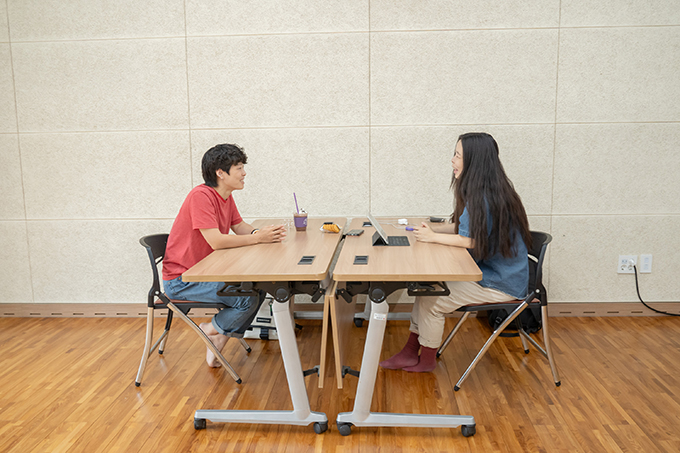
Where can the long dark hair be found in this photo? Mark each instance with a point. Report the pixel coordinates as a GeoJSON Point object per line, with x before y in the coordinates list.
{"type": "Point", "coordinates": [483, 181]}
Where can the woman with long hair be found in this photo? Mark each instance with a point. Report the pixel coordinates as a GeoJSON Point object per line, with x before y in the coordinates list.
{"type": "Point", "coordinates": [490, 221]}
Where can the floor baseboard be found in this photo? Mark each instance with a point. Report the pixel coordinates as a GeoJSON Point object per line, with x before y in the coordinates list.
{"type": "Point", "coordinates": [310, 310]}
{"type": "Point", "coordinates": [603, 309]}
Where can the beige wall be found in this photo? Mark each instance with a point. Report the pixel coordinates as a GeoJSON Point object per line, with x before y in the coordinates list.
{"type": "Point", "coordinates": [106, 108]}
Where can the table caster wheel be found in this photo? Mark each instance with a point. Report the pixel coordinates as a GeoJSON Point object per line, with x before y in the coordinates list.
{"type": "Point", "coordinates": [320, 427]}
{"type": "Point", "coordinates": [345, 428]}
{"type": "Point", "coordinates": [199, 423]}
{"type": "Point", "coordinates": [468, 430]}
{"type": "Point", "coordinates": [358, 322]}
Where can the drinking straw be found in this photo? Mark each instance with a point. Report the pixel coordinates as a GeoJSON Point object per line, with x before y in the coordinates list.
{"type": "Point", "coordinates": [296, 205]}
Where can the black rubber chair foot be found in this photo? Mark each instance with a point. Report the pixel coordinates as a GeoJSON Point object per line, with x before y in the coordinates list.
{"type": "Point", "coordinates": [199, 423]}
{"type": "Point", "coordinates": [239, 381]}
{"type": "Point", "coordinates": [557, 384]}
{"type": "Point", "coordinates": [320, 427]}
{"type": "Point", "coordinates": [137, 384]}
{"type": "Point", "coordinates": [249, 350]}
{"type": "Point", "coordinates": [160, 352]}
{"type": "Point", "coordinates": [345, 429]}
{"type": "Point", "coordinates": [526, 351]}
{"type": "Point", "coordinates": [358, 322]}
{"type": "Point", "coordinates": [468, 430]}
{"type": "Point", "coordinates": [438, 355]}
{"type": "Point", "coordinates": [456, 388]}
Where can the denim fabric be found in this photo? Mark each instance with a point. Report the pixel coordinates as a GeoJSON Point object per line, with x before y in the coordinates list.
{"type": "Point", "coordinates": [232, 321]}
{"type": "Point", "coordinates": [508, 275]}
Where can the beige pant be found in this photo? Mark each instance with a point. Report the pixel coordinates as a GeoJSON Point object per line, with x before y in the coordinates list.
{"type": "Point", "coordinates": [427, 317]}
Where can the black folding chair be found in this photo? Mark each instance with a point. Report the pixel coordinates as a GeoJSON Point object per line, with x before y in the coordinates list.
{"type": "Point", "coordinates": [537, 298]}
{"type": "Point", "coordinates": [155, 246]}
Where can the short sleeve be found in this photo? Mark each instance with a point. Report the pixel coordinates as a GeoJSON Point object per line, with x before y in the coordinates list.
{"type": "Point", "coordinates": [203, 212]}
{"type": "Point", "coordinates": [464, 224]}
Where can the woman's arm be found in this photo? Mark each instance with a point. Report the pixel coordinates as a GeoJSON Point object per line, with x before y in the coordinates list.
{"type": "Point", "coordinates": [448, 228]}
{"type": "Point", "coordinates": [425, 234]}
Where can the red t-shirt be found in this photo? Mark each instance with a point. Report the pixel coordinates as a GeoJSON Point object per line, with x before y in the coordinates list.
{"type": "Point", "coordinates": [203, 208]}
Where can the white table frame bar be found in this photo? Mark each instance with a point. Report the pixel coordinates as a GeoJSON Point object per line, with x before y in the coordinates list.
{"type": "Point", "coordinates": [301, 414]}
{"type": "Point", "coordinates": [361, 414]}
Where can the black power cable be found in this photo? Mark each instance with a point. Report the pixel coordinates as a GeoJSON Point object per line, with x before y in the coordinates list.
{"type": "Point", "coordinates": [637, 288]}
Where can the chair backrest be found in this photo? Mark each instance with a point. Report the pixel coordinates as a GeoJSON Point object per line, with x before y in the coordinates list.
{"type": "Point", "coordinates": [540, 241]}
{"type": "Point", "coordinates": [155, 247]}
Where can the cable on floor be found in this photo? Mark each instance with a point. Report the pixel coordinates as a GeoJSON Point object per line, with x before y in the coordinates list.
{"type": "Point", "coordinates": [637, 288]}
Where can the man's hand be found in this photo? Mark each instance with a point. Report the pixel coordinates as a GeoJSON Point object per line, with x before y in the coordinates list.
{"type": "Point", "coordinates": [243, 236]}
{"type": "Point", "coordinates": [271, 233]}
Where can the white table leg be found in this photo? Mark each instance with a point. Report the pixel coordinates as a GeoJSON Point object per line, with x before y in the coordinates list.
{"type": "Point", "coordinates": [361, 414]}
{"type": "Point", "coordinates": [301, 414]}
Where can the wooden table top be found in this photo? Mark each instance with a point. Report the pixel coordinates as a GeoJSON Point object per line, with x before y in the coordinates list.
{"type": "Point", "coordinates": [418, 262]}
{"type": "Point", "coordinates": [272, 262]}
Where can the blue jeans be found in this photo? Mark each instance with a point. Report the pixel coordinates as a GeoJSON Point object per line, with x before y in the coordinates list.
{"type": "Point", "coordinates": [231, 321]}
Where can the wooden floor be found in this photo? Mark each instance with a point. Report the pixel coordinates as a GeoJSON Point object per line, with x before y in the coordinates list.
{"type": "Point", "coordinates": [68, 385]}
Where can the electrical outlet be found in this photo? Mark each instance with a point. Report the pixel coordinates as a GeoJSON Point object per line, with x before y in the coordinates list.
{"type": "Point", "coordinates": [625, 264]}
{"type": "Point", "coordinates": [645, 264]}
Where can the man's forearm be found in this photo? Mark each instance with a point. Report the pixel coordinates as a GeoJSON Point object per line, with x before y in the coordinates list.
{"type": "Point", "coordinates": [217, 240]}
{"type": "Point", "coordinates": [242, 228]}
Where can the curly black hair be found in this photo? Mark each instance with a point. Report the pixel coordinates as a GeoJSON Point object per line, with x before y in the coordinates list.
{"type": "Point", "coordinates": [221, 157]}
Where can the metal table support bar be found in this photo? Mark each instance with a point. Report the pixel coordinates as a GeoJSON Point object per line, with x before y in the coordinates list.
{"type": "Point", "coordinates": [361, 414]}
{"type": "Point", "coordinates": [301, 414]}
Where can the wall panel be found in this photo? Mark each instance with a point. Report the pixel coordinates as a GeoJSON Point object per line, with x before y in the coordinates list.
{"type": "Point", "coordinates": [12, 205]}
{"type": "Point", "coordinates": [463, 77]}
{"type": "Point", "coordinates": [107, 108]}
{"type": "Point", "coordinates": [101, 85]}
{"type": "Point", "coordinates": [15, 278]}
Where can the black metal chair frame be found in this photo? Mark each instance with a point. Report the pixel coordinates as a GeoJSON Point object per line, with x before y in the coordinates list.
{"type": "Point", "coordinates": [155, 246]}
{"type": "Point", "coordinates": [537, 297]}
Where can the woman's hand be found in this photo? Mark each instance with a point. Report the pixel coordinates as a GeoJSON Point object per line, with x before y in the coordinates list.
{"type": "Point", "coordinates": [424, 233]}
{"type": "Point", "coordinates": [271, 233]}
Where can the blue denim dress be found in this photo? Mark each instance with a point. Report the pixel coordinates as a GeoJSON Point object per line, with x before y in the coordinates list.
{"type": "Point", "coordinates": [508, 275]}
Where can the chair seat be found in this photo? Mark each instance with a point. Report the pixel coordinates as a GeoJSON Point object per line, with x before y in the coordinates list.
{"type": "Point", "coordinates": [496, 305]}
{"type": "Point", "coordinates": [159, 303]}
{"type": "Point", "coordinates": [177, 301]}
